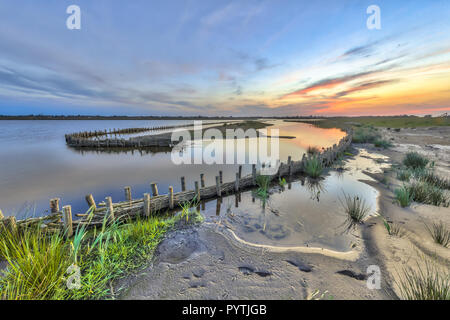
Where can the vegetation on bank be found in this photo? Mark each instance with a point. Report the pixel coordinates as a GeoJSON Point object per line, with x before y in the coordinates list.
{"type": "Point", "coordinates": [42, 265]}
{"type": "Point", "coordinates": [397, 122]}
{"type": "Point", "coordinates": [421, 182]}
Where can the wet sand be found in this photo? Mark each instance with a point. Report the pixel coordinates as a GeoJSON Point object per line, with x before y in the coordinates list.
{"type": "Point", "coordinates": [211, 262]}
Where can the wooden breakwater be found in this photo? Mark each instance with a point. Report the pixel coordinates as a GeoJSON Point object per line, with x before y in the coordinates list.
{"type": "Point", "coordinates": [59, 220]}
{"type": "Point", "coordinates": [103, 139]}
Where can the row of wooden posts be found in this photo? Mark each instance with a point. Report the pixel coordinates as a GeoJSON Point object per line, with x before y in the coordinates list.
{"type": "Point", "coordinates": [109, 211]}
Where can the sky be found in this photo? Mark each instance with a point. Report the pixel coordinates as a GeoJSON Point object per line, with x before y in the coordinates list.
{"type": "Point", "coordinates": [223, 57]}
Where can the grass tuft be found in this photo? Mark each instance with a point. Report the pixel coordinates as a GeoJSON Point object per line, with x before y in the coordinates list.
{"type": "Point", "coordinates": [440, 234]}
{"type": "Point", "coordinates": [429, 283]}
{"type": "Point", "coordinates": [356, 208]}
{"type": "Point", "coordinates": [313, 167]}
{"type": "Point", "coordinates": [415, 161]}
{"type": "Point", "coordinates": [403, 196]}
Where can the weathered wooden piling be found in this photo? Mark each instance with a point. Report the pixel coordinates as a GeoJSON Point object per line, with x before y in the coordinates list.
{"type": "Point", "coordinates": [154, 189]}
{"type": "Point", "coordinates": [109, 205]}
{"type": "Point", "coordinates": [221, 176]}
{"type": "Point", "coordinates": [67, 219]}
{"type": "Point", "coordinates": [218, 189]}
{"type": "Point", "coordinates": [240, 171]}
{"type": "Point", "coordinates": [90, 200]}
{"type": "Point", "coordinates": [202, 180]}
{"type": "Point", "coordinates": [170, 197]}
{"type": "Point", "coordinates": [146, 204]}
{"type": "Point", "coordinates": [128, 193]}
{"type": "Point", "coordinates": [254, 173]}
{"type": "Point", "coordinates": [183, 184]}
{"type": "Point", "coordinates": [54, 205]}
{"type": "Point", "coordinates": [197, 190]}
{"type": "Point", "coordinates": [290, 165]}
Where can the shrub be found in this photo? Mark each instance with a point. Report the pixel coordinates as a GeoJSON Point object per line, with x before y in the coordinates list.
{"type": "Point", "coordinates": [414, 160]}
{"type": "Point", "coordinates": [404, 175]}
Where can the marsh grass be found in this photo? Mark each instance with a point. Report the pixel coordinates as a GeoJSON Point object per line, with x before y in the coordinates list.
{"type": "Point", "coordinates": [186, 208]}
{"type": "Point", "coordinates": [427, 175]}
{"type": "Point", "coordinates": [380, 143]}
{"type": "Point", "coordinates": [356, 209]}
{"type": "Point", "coordinates": [394, 229]}
{"type": "Point", "coordinates": [38, 262]}
{"type": "Point", "coordinates": [404, 175]}
{"type": "Point", "coordinates": [414, 160]}
{"type": "Point", "coordinates": [313, 167]}
{"type": "Point", "coordinates": [439, 233]}
{"type": "Point", "coordinates": [365, 135]}
{"type": "Point", "coordinates": [403, 196]}
{"type": "Point", "coordinates": [313, 150]}
{"type": "Point", "coordinates": [263, 183]}
{"type": "Point", "coordinates": [423, 192]}
{"type": "Point", "coordinates": [429, 283]}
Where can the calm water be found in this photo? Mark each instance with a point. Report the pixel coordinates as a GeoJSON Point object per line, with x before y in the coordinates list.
{"type": "Point", "coordinates": [36, 164]}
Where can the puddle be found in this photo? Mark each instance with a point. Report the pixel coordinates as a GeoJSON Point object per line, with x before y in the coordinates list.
{"type": "Point", "coordinates": [302, 213]}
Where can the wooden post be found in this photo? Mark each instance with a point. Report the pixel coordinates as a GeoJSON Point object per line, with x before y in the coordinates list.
{"type": "Point", "coordinates": [183, 184]}
{"type": "Point", "coordinates": [218, 189]}
{"type": "Point", "coordinates": [290, 165]}
{"type": "Point", "coordinates": [154, 189]}
{"type": "Point", "coordinates": [254, 173]}
{"type": "Point", "coordinates": [146, 204]}
{"type": "Point", "coordinates": [197, 191]}
{"type": "Point", "coordinates": [90, 201]}
{"type": "Point", "coordinates": [202, 180]}
{"type": "Point", "coordinates": [109, 205]}
{"type": "Point", "coordinates": [170, 198]}
{"type": "Point", "coordinates": [221, 176]}
{"type": "Point", "coordinates": [128, 193]}
{"type": "Point", "coordinates": [67, 217]}
{"type": "Point", "coordinates": [240, 171]}
{"type": "Point", "coordinates": [236, 183]}
{"type": "Point", "coordinates": [54, 205]}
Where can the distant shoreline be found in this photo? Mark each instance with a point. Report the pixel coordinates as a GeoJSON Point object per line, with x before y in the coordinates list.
{"type": "Point", "coordinates": [98, 117]}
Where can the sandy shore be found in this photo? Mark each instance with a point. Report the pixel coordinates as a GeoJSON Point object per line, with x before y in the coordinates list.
{"type": "Point", "coordinates": [209, 262]}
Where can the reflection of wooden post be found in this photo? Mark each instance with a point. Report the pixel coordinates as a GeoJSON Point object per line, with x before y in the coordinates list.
{"type": "Point", "coordinates": [254, 173]}
{"type": "Point", "coordinates": [236, 183]}
{"type": "Point", "coordinates": [127, 193]}
{"type": "Point", "coordinates": [67, 217]}
{"type": "Point", "coordinates": [290, 165]}
{"type": "Point", "coordinates": [170, 197]}
{"type": "Point", "coordinates": [197, 191]}
{"type": "Point", "coordinates": [183, 184]}
{"type": "Point", "coordinates": [109, 205]}
{"type": "Point", "coordinates": [202, 180]}
{"type": "Point", "coordinates": [90, 201]}
{"type": "Point", "coordinates": [146, 204]}
{"type": "Point", "coordinates": [221, 176]}
{"type": "Point", "coordinates": [218, 189]}
{"type": "Point", "coordinates": [54, 205]}
{"type": "Point", "coordinates": [154, 189]}
{"type": "Point", "coordinates": [219, 202]}
{"type": "Point", "coordinates": [240, 171]}
{"type": "Point", "coordinates": [236, 200]}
